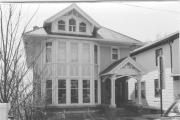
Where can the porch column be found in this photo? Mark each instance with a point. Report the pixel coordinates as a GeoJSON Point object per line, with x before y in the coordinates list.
{"type": "Point", "coordinates": [113, 104]}
{"type": "Point", "coordinates": [139, 89]}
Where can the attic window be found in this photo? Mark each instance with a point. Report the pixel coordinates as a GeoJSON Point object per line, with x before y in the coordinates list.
{"type": "Point", "coordinates": [61, 25]}
{"type": "Point", "coordinates": [82, 27]}
{"type": "Point", "coordinates": [72, 25]}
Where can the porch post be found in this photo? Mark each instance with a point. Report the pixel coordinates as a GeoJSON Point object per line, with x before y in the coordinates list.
{"type": "Point", "coordinates": [113, 104]}
{"type": "Point", "coordinates": [139, 89]}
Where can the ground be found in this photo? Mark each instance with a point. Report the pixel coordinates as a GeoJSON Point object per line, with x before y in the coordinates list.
{"type": "Point", "coordinates": [111, 114]}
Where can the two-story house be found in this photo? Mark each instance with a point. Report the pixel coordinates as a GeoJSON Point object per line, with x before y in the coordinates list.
{"type": "Point", "coordinates": [67, 55]}
{"type": "Point", "coordinates": [147, 56]}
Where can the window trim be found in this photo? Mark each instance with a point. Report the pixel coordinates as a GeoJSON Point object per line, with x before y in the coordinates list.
{"type": "Point", "coordinates": [118, 52]}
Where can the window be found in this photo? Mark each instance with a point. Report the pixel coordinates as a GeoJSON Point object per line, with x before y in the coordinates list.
{"type": "Point", "coordinates": [143, 90]}
{"type": "Point", "coordinates": [114, 52]}
{"type": "Point", "coordinates": [61, 51]}
{"type": "Point", "coordinates": [49, 91]}
{"type": "Point", "coordinates": [72, 25]}
{"type": "Point", "coordinates": [158, 53]}
{"type": "Point", "coordinates": [95, 54]}
{"type": "Point", "coordinates": [96, 91]}
{"type": "Point", "coordinates": [156, 88]}
{"type": "Point", "coordinates": [74, 91]}
{"type": "Point", "coordinates": [61, 91]}
{"type": "Point", "coordinates": [74, 52]}
{"type": "Point", "coordinates": [49, 52]}
{"type": "Point", "coordinates": [61, 25]}
{"type": "Point", "coordinates": [82, 27]}
{"type": "Point", "coordinates": [86, 53]}
{"type": "Point", "coordinates": [86, 91]}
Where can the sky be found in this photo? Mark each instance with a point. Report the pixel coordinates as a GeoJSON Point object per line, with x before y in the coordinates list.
{"type": "Point", "coordinates": [144, 21]}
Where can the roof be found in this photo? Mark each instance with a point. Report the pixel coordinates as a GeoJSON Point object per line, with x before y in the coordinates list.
{"type": "Point", "coordinates": [164, 40]}
{"type": "Point", "coordinates": [104, 35]}
{"type": "Point", "coordinates": [71, 7]}
{"type": "Point", "coordinates": [112, 66]}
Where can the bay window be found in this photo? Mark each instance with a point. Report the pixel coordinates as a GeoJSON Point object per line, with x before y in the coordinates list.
{"type": "Point", "coordinates": [86, 53]}
{"type": "Point", "coordinates": [61, 51]}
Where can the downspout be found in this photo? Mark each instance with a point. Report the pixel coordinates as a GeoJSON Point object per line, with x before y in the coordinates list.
{"type": "Point", "coordinates": [171, 59]}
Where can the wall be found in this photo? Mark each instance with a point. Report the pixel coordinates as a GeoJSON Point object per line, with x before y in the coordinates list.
{"type": "Point", "coordinates": [4, 109]}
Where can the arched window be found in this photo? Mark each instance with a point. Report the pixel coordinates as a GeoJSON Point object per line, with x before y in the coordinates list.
{"type": "Point", "coordinates": [72, 25]}
{"type": "Point", "coordinates": [82, 27]}
{"type": "Point", "coordinates": [61, 25]}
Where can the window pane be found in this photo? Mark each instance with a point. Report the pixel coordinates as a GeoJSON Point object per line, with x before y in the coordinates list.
{"type": "Point", "coordinates": [62, 96]}
{"type": "Point", "coordinates": [61, 83]}
{"type": "Point", "coordinates": [48, 51]}
{"type": "Point", "coordinates": [72, 22]}
{"type": "Point", "coordinates": [62, 51]}
{"type": "Point", "coordinates": [114, 56]}
{"type": "Point", "coordinates": [82, 27]}
{"type": "Point", "coordinates": [74, 83]}
{"type": "Point", "coordinates": [114, 53]}
{"type": "Point", "coordinates": [86, 95]}
{"type": "Point", "coordinates": [86, 53]}
{"type": "Point", "coordinates": [95, 54]}
{"type": "Point", "coordinates": [86, 83]}
{"type": "Point", "coordinates": [74, 52]}
{"type": "Point", "coordinates": [74, 95]}
{"type": "Point", "coordinates": [96, 90]}
{"type": "Point", "coordinates": [156, 88]}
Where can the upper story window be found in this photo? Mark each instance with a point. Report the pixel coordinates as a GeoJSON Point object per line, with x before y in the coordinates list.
{"type": "Point", "coordinates": [61, 51]}
{"type": "Point", "coordinates": [158, 53]}
{"type": "Point", "coordinates": [114, 53]}
{"type": "Point", "coordinates": [95, 54]}
{"type": "Point", "coordinates": [72, 25]}
{"type": "Point", "coordinates": [49, 52]}
{"type": "Point", "coordinates": [82, 27]}
{"type": "Point", "coordinates": [61, 25]}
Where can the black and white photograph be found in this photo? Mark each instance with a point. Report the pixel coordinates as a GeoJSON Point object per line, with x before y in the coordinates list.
{"type": "Point", "coordinates": [89, 60]}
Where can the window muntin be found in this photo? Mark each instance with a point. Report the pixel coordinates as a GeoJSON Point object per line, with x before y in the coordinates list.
{"type": "Point", "coordinates": [156, 88]}
{"type": "Point", "coordinates": [74, 52]}
{"type": "Point", "coordinates": [158, 53]}
{"type": "Point", "coordinates": [114, 53]}
{"type": "Point", "coordinates": [86, 91]}
{"type": "Point", "coordinates": [96, 91]}
{"type": "Point", "coordinates": [61, 25]}
{"type": "Point", "coordinates": [49, 52]}
{"type": "Point", "coordinates": [86, 53]}
{"type": "Point", "coordinates": [61, 91]}
{"type": "Point", "coordinates": [61, 51]}
{"type": "Point", "coordinates": [49, 91]}
{"type": "Point", "coordinates": [74, 91]}
{"type": "Point", "coordinates": [82, 27]}
{"type": "Point", "coordinates": [72, 25]}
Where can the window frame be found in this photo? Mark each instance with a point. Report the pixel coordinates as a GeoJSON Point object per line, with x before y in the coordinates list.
{"type": "Point", "coordinates": [74, 89]}
{"type": "Point", "coordinates": [114, 47]}
{"type": "Point", "coordinates": [61, 25]}
{"type": "Point", "coordinates": [49, 60]}
{"type": "Point", "coordinates": [59, 88]}
{"type": "Point", "coordinates": [72, 27]}
{"type": "Point", "coordinates": [88, 88]}
{"type": "Point", "coordinates": [96, 91]}
{"type": "Point", "coordinates": [82, 28]}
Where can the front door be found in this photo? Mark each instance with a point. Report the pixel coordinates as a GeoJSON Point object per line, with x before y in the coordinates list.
{"type": "Point", "coordinates": [121, 92]}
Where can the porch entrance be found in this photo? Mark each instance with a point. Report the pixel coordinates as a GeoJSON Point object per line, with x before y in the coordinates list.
{"type": "Point", "coordinates": [121, 91]}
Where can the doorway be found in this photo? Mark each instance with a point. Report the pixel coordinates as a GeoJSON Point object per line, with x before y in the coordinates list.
{"type": "Point", "coordinates": [121, 92]}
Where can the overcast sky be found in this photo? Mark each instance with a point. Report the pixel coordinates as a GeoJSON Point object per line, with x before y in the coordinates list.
{"type": "Point", "coordinates": [144, 21]}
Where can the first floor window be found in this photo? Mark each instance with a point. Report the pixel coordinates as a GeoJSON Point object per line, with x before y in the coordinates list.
{"type": "Point", "coordinates": [49, 91]}
{"type": "Point", "coordinates": [96, 90]}
{"type": "Point", "coordinates": [143, 90]}
{"type": "Point", "coordinates": [61, 91]}
{"type": "Point", "coordinates": [156, 88]}
{"type": "Point", "coordinates": [86, 91]}
{"type": "Point", "coordinates": [74, 91]}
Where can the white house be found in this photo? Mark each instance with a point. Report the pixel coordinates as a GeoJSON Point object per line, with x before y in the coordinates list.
{"type": "Point", "coordinates": [67, 55]}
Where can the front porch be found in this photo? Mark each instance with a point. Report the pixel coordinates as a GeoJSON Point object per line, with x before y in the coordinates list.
{"type": "Point", "coordinates": [114, 82]}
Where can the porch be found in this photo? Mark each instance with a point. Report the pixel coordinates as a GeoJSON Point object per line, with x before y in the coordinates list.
{"type": "Point", "coordinates": [114, 82]}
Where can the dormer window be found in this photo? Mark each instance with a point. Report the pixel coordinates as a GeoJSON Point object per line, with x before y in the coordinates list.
{"type": "Point", "coordinates": [72, 25]}
{"type": "Point", "coordinates": [61, 25]}
{"type": "Point", "coordinates": [82, 27]}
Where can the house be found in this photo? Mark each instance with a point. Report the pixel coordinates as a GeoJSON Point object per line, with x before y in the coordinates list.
{"type": "Point", "coordinates": [147, 56]}
{"type": "Point", "coordinates": [67, 56]}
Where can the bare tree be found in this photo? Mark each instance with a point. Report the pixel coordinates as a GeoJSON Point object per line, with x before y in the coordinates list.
{"type": "Point", "coordinates": [15, 87]}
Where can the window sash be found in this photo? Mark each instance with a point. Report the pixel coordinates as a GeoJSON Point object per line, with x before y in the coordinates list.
{"type": "Point", "coordinates": [86, 91]}
{"type": "Point", "coordinates": [158, 53]}
{"type": "Point", "coordinates": [61, 91]}
{"type": "Point", "coordinates": [114, 53]}
{"type": "Point", "coordinates": [156, 88]}
{"type": "Point", "coordinates": [74, 91]}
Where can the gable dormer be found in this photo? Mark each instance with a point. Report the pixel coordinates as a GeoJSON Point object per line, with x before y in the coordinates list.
{"type": "Point", "coordinates": [71, 21]}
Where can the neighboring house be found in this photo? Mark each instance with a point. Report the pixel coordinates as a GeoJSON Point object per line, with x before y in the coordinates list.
{"type": "Point", "coordinates": [67, 55]}
{"type": "Point", "coordinates": [147, 56]}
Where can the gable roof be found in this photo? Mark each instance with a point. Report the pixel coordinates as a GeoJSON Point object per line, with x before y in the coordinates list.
{"type": "Point", "coordinates": [122, 62]}
{"type": "Point", "coordinates": [71, 7]}
{"type": "Point", "coordinates": [164, 40]}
